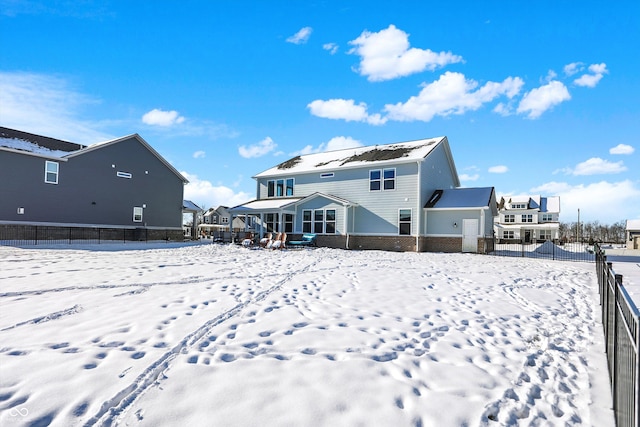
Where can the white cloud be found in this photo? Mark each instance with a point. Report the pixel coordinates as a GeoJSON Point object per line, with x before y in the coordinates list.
{"type": "Point", "coordinates": [573, 68]}
{"type": "Point", "coordinates": [331, 47]}
{"type": "Point", "coordinates": [622, 149]}
{"type": "Point", "coordinates": [199, 154]}
{"type": "Point", "coordinates": [607, 202]}
{"type": "Point", "coordinates": [301, 36]}
{"type": "Point", "coordinates": [466, 177]}
{"type": "Point", "coordinates": [386, 55]}
{"type": "Point", "coordinates": [344, 109]}
{"type": "Point", "coordinates": [452, 93]}
{"type": "Point", "coordinates": [591, 80]}
{"type": "Point", "coordinates": [158, 117]}
{"type": "Point", "coordinates": [597, 166]}
{"type": "Point", "coordinates": [204, 193]}
{"type": "Point", "coordinates": [539, 100]}
{"type": "Point", "coordinates": [47, 105]}
{"type": "Point", "coordinates": [258, 150]}
{"type": "Point", "coordinates": [335, 143]}
{"type": "Point", "coordinates": [498, 169]}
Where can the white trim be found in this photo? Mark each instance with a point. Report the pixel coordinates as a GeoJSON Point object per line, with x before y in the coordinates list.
{"type": "Point", "coordinates": [47, 172]}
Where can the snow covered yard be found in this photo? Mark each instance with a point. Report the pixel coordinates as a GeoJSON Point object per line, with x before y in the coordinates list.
{"type": "Point", "coordinates": [224, 335]}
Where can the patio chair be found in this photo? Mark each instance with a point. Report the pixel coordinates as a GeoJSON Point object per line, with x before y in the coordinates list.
{"type": "Point", "coordinates": [280, 243]}
{"type": "Point", "coordinates": [308, 239]}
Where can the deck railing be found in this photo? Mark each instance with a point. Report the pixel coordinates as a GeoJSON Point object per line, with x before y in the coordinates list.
{"type": "Point", "coordinates": [621, 323]}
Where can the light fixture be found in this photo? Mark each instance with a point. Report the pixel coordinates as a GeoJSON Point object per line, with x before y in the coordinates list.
{"type": "Point", "coordinates": [455, 224]}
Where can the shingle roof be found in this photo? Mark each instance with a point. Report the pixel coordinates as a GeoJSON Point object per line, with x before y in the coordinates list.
{"type": "Point", "coordinates": [460, 198]}
{"type": "Point", "coordinates": [355, 157]}
{"type": "Point", "coordinates": [45, 142]}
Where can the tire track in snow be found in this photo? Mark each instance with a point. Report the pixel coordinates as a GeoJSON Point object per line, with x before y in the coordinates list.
{"type": "Point", "coordinates": [46, 318]}
{"type": "Point", "coordinates": [118, 404]}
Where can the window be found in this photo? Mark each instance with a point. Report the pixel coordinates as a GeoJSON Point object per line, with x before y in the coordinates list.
{"type": "Point", "coordinates": [509, 218]}
{"type": "Point", "coordinates": [527, 218]}
{"type": "Point", "coordinates": [51, 172]}
{"type": "Point", "coordinates": [272, 221]}
{"type": "Point", "coordinates": [374, 180]}
{"type": "Point", "coordinates": [382, 179]}
{"type": "Point", "coordinates": [123, 175]}
{"type": "Point", "coordinates": [389, 179]}
{"type": "Point", "coordinates": [326, 175]}
{"type": "Point", "coordinates": [306, 221]}
{"type": "Point", "coordinates": [224, 219]}
{"type": "Point", "coordinates": [289, 188]}
{"type": "Point", "coordinates": [280, 187]}
{"type": "Point", "coordinates": [545, 234]}
{"type": "Point", "coordinates": [318, 221]}
{"type": "Point", "coordinates": [137, 214]}
{"type": "Point", "coordinates": [518, 206]}
{"type": "Point", "coordinates": [508, 234]}
{"type": "Point", "coordinates": [288, 223]}
{"type": "Point", "coordinates": [547, 217]}
{"type": "Point", "coordinates": [404, 221]}
{"type": "Point", "coordinates": [330, 221]}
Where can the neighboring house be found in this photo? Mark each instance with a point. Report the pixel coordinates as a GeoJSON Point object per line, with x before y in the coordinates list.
{"type": "Point", "coordinates": [527, 219]}
{"type": "Point", "coordinates": [633, 234]}
{"type": "Point", "coordinates": [119, 184]}
{"type": "Point", "coordinates": [216, 223]}
{"type": "Point", "coordinates": [373, 197]}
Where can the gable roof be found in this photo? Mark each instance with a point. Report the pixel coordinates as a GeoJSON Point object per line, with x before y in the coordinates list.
{"type": "Point", "coordinates": [348, 158]}
{"type": "Point", "coordinates": [544, 204]}
{"type": "Point", "coordinates": [461, 198]}
{"type": "Point", "coordinates": [189, 206]}
{"type": "Point", "coordinates": [56, 148]}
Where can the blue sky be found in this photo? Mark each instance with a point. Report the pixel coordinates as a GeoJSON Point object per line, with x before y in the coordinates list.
{"type": "Point", "coordinates": [535, 97]}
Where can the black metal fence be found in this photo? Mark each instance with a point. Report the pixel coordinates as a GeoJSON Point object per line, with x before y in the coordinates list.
{"type": "Point", "coordinates": [546, 250]}
{"type": "Point", "coordinates": [40, 235]}
{"type": "Point", "coordinates": [621, 323]}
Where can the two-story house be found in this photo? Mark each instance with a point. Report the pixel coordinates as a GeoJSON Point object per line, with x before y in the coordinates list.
{"type": "Point", "coordinates": [390, 197]}
{"type": "Point", "coordinates": [118, 184]}
{"type": "Point", "coordinates": [528, 219]}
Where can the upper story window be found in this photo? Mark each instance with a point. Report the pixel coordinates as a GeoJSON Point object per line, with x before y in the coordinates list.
{"type": "Point", "coordinates": [547, 217]}
{"type": "Point", "coordinates": [518, 206]}
{"type": "Point", "coordinates": [509, 218]}
{"type": "Point", "coordinates": [224, 219]}
{"type": "Point", "coordinates": [280, 187]}
{"type": "Point", "coordinates": [527, 218]}
{"type": "Point", "coordinates": [51, 170]}
{"type": "Point", "coordinates": [137, 214]}
{"type": "Point", "coordinates": [384, 179]}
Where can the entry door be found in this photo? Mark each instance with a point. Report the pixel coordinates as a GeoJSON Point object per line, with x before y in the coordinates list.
{"type": "Point", "coordinates": [469, 235]}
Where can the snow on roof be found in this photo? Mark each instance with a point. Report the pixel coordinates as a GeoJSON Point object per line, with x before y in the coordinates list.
{"type": "Point", "coordinates": [545, 204]}
{"type": "Point", "coordinates": [633, 224]}
{"type": "Point", "coordinates": [36, 144]}
{"type": "Point", "coordinates": [355, 157]}
{"type": "Point", "coordinates": [460, 198]}
{"type": "Point", "coordinates": [190, 206]}
{"type": "Point", "coordinates": [264, 205]}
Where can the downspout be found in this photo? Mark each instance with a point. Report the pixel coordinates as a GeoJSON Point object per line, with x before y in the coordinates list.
{"type": "Point", "coordinates": [346, 224]}
{"type": "Point", "coordinates": [418, 202]}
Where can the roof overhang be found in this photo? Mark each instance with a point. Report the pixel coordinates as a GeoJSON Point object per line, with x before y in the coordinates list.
{"type": "Point", "coordinates": [255, 207]}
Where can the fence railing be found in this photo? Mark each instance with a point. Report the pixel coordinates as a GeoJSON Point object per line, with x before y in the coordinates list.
{"type": "Point", "coordinates": [41, 234]}
{"type": "Point", "coordinates": [545, 250]}
{"type": "Point", "coordinates": [621, 323]}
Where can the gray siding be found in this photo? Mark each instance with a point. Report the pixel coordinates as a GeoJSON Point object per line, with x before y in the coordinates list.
{"type": "Point", "coordinates": [324, 204]}
{"type": "Point", "coordinates": [441, 222]}
{"type": "Point", "coordinates": [88, 189]}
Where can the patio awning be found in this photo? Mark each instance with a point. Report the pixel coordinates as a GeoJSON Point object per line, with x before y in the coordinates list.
{"type": "Point", "coordinates": [256, 207]}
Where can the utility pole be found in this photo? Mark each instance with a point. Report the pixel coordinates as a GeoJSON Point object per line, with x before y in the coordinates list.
{"type": "Point", "coordinates": [578, 228]}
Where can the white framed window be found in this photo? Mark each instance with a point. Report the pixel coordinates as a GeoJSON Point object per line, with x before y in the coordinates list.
{"type": "Point", "coordinates": [137, 214]}
{"type": "Point", "coordinates": [518, 206]}
{"type": "Point", "coordinates": [224, 219]}
{"type": "Point", "coordinates": [318, 221]}
{"type": "Point", "coordinates": [547, 217]}
{"type": "Point", "coordinates": [382, 179]}
{"type": "Point", "coordinates": [306, 220]}
{"type": "Point", "coordinates": [404, 222]}
{"type": "Point", "coordinates": [51, 171]}
{"type": "Point", "coordinates": [509, 218]}
{"type": "Point", "coordinates": [326, 175]}
{"type": "Point", "coordinates": [527, 218]}
{"type": "Point", "coordinates": [330, 221]}
{"type": "Point", "coordinates": [272, 221]}
{"type": "Point", "coordinates": [280, 187]}
{"type": "Point", "coordinates": [288, 223]}
{"type": "Point", "coordinates": [121, 174]}
{"type": "Point", "coordinates": [508, 234]}
{"type": "Point", "coordinates": [545, 234]}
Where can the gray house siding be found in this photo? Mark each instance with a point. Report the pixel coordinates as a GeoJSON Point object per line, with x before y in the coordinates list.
{"type": "Point", "coordinates": [89, 190]}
